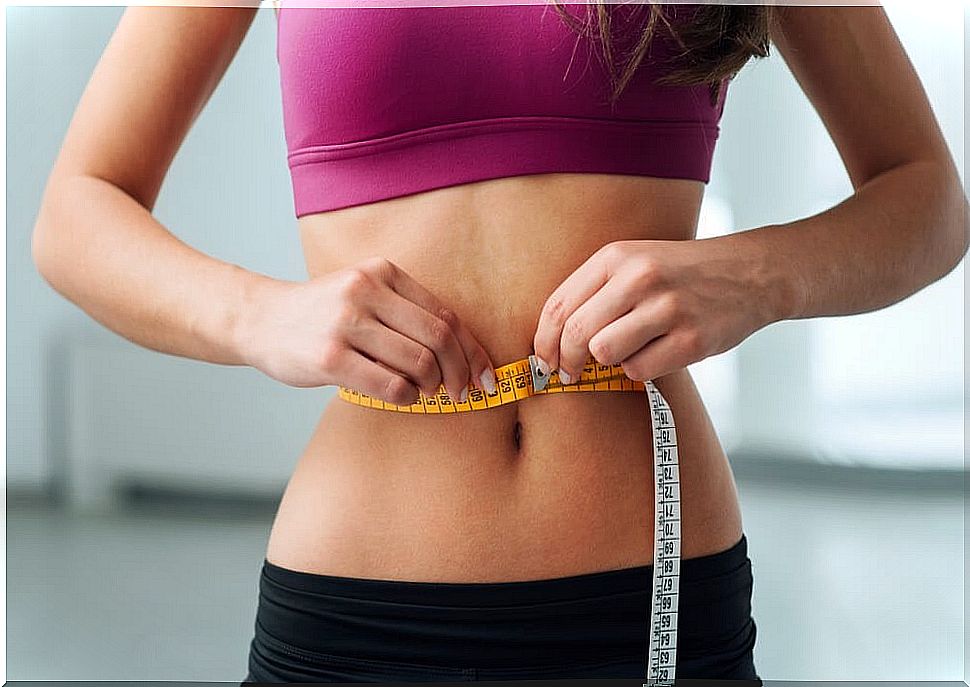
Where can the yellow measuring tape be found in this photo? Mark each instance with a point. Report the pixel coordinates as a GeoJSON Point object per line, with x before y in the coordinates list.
{"type": "Point", "coordinates": [513, 382]}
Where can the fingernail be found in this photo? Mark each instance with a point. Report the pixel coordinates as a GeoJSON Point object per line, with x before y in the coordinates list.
{"type": "Point", "coordinates": [463, 395]}
{"type": "Point", "coordinates": [564, 377]}
{"type": "Point", "coordinates": [487, 379]}
{"type": "Point", "coordinates": [543, 366]}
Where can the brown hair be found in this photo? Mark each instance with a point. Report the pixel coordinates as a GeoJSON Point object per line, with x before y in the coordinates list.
{"type": "Point", "coordinates": [716, 43]}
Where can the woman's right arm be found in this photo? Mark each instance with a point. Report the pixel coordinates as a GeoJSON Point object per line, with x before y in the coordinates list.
{"type": "Point", "coordinates": [370, 327]}
{"type": "Point", "coordinates": [95, 240]}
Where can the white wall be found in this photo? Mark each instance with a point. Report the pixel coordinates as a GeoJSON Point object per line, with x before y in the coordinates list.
{"type": "Point", "coordinates": [228, 193]}
{"type": "Point", "coordinates": [881, 389]}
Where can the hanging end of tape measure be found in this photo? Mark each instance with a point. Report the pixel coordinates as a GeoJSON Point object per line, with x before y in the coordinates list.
{"type": "Point", "coordinates": [539, 380]}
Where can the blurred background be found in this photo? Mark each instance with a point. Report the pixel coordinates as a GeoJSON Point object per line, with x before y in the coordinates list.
{"type": "Point", "coordinates": [141, 487]}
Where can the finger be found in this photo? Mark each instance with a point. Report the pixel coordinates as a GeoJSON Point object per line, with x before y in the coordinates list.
{"type": "Point", "coordinates": [660, 357]}
{"type": "Point", "coordinates": [400, 353]}
{"type": "Point", "coordinates": [417, 323]}
{"type": "Point", "coordinates": [624, 336]}
{"type": "Point", "coordinates": [375, 380]}
{"type": "Point", "coordinates": [563, 302]}
{"type": "Point", "coordinates": [603, 307]}
{"type": "Point", "coordinates": [479, 361]}
{"type": "Point", "coordinates": [476, 360]}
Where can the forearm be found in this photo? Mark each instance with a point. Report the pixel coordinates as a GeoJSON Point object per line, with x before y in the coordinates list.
{"type": "Point", "coordinates": [899, 232]}
{"type": "Point", "coordinates": [106, 253]}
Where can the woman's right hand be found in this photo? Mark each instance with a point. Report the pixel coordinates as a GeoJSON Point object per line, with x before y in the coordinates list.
{"type": "Point", "coordinates": [369, 327]}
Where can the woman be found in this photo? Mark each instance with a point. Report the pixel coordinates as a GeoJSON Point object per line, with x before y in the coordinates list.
{"type": "Point", "coordinates": [475, 184]}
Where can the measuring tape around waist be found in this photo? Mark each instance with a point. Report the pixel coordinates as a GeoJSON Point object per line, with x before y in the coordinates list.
{"type": "Point", "coordinates": [522, 379]}
{"type": "Point", "coordinates": [513, 382]}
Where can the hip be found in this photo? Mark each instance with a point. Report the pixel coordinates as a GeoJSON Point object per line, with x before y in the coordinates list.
{"type": "Point", "coordinates": [548, 486]}
{"type": "Point", "coordinates": [328, 628]}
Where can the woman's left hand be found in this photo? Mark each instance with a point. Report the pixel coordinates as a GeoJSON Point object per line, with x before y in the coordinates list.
{"type": "Point", "coordinates": [654, 307]}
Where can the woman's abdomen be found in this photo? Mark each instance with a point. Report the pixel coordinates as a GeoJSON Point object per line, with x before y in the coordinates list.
{"type": "Point", "coordinates": [549, 486]}
{"type": "Point", "coordinates": [454, 498]}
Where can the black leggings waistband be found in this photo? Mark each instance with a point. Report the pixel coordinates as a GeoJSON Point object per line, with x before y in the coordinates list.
{"type": "Point", "coordinates": [697, 572]}
{"type": "Point", "coordinates": [575, 620]}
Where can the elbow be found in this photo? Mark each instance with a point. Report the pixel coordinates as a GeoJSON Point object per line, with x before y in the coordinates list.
{"type": "Point", "coordinates": [948, 226]}
{"type": "Point", "coordinates": [46, 249]}
{"type": "Point", "coordinates": [963, 229]}
{"type": "Point", "coordinates": [958, 234]}
{"type": "Point", "coordinates": [42, 249]}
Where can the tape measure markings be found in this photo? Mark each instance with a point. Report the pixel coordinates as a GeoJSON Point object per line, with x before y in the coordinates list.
{"type": "Point", "coordinates": [513, 383]}
{"type": "Point", "coordinates": [662, 647]}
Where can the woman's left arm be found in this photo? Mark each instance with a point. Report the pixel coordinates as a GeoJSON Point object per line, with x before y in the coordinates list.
{"type": "Point", "coordinates": [657, 306]}
{"type": "Point", "coordinates": [906, 225]}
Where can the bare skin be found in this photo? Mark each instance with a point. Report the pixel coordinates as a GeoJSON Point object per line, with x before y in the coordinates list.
{"type": "Point", "coordinates": [381, 494]}
{"type": "Point", "coordinates": [481, 274]}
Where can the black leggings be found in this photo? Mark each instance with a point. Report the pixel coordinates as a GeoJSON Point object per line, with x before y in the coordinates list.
{"type": "Point", "coordinates": [323, 628]}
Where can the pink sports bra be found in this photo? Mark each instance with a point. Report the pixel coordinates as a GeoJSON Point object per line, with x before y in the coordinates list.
{"type": "Point", "coordinates": [385, 102]}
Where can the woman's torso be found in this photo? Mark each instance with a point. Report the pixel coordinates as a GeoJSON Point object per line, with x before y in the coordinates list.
{"type": "Point", "coordinates": [455, 498]}
{"type": "Point", "coordinates": [471, 496]}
